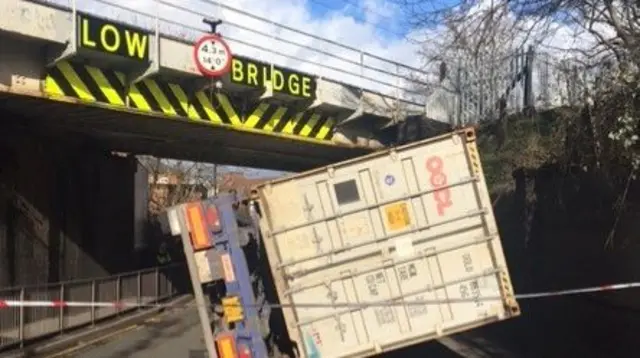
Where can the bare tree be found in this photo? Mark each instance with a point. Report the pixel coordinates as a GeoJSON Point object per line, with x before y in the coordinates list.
{"type": "Point", "coordinates": [602, 36]}
{"type": "Point", "coordinates": [475, 54]}
{"type": "Point", "coordinates": [596, 57]}
{"type": "Point", "coordinates": [173, 182]}
{"type": "Point", "coordinates": [474, 27]}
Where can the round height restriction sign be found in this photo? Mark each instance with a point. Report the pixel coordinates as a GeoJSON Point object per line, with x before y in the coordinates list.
{"type": "Point", "coordinates": [212, 56]}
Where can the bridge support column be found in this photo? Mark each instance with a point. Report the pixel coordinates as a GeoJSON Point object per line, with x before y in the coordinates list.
{"type": "Point", "coordinates": [66, 209]}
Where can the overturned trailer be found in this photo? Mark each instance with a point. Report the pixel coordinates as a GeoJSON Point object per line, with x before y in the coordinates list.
{"type": "Point", "coordinates": [354, 259]}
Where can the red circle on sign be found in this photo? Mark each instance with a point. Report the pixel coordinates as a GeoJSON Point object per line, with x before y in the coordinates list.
{"type": "Point", "coordinates": [204, 70]}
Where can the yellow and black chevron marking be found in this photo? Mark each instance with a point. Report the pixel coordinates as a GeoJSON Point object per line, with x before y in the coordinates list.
{"type": "Point", "coordinates": [214, 107]}
{"type": "Point", "coordinates": [96, 85]}
{"type": "Point", "coordinates": [93, 84]}
{"type": "Point", "coordinates": [279, 119]}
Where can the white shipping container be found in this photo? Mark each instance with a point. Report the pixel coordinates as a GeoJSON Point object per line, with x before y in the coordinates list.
{"type": "Point", "coordinates": [351, 245]}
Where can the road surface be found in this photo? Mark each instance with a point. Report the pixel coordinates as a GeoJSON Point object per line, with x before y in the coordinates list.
{"type": "Point", "coordinates": [547, 329]}
{"type": "Point", "coordinates": [555, 327]}
{"type": "Point", "coordinates": [177, 334]}
{"type": "Point", "coordinates": [173, 334]}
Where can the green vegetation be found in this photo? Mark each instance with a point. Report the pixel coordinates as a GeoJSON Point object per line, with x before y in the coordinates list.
{"type": "Point", "coordinates": [573, 165]}
{"type": "Point", "coordinates": [518, 142]}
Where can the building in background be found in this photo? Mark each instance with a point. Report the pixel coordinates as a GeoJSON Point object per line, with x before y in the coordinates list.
{"type": "Point", "coordinates": [239, 182]}
{"type": "Point", "coordinates": [172, 188]}
{"type": "Point", "coordinates": [168, 186]}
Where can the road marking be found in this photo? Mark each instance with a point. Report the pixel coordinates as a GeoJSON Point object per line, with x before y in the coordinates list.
{"type": "Point", "coordinates": [82, 344]}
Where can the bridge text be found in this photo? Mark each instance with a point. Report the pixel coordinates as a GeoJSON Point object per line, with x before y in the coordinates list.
{"type": "Point", "coordinates": [256, 74]}
{"type": "Point", "coordinates": [111, 38]}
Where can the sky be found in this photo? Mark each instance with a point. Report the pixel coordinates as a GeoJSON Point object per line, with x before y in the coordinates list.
{"type": "Point", "coordinates": [372, 26]}
{"type": "Point", "coordinates": [370, 32]}
{"type": "Point", "coordinates": [362, 34]}
{"type": "Point", "coordinates": [383, 17]}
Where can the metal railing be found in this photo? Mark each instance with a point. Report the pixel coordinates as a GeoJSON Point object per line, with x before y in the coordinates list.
{"type": "Point", "coordinates": [252, 33]}
{"type": "Point", "coordinates": [20, 325]}
{"type": "Point", "coordinates": [524, 79]}
{"type": "Point", "coordinates": [562, 81]}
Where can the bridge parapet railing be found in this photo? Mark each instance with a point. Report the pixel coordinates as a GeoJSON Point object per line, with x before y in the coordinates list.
{"type": "Point", "coordinates": [20, 325]}
{"type": "Point", "coordinates": [257, 34]}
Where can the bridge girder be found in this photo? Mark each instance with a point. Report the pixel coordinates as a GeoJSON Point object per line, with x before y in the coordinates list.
{"type": "Point", "coordinates": [168, 137]}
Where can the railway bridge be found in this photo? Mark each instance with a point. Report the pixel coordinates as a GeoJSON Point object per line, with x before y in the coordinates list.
{"type": "Point", "coordinates": [139, 91]}
{"type": "Point", "coordinates": [82, 93]}
{"type": "Point", "coordinates": [86, 87]}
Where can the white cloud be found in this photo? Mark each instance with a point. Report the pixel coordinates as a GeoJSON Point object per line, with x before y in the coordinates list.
{"type": "Point", "coordinates": [556, 45]}
{"type": "Point", "coordinates": [268, 41]}
{"type": "Point", "coordinates": [273, 43]}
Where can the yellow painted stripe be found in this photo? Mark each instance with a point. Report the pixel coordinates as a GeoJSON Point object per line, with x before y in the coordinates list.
{"type": "Point", "coordinates": [228, 109]}
{"type": "Point", "coordinates": [288, 129]}
{"type": "Point", "coordinates": [309, 125]}
{"type": "Point", "coordinates": [138, 98]}
{"type": "Point", "coordinates": [184, 100]}
{"type": "Point", "coordinates": [275, 119]}
{"type": "Point", "coordinates": [326, 128]}
{"type": "Point", "coordinates": [193, 114]}
{"type": "Point", "coordinates": [181, 96]}
{"type": "Point", "coordinates": [101, 339]}
{"type": "Point", "coordinates": [51, 87]}
{"type": "Point", "coordinates": [254, 117]}
{"type": "Point", "coordinates": [112, 96]}
{"type": "Point", "coordinates": [75, 81]}
{"type": "Point", "coordinates": [157, 93]}
{"type": "Point", "coordinates": [208, 107]}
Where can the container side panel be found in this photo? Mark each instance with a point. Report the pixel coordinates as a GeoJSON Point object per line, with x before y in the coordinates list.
{"type": "Point", "coordinates": [392, 249]}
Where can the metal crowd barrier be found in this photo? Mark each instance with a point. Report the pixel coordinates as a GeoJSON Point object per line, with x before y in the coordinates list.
{"type": "Point", "coordinates": [20, 325]}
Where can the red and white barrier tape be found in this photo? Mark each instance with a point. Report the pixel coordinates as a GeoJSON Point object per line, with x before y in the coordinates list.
{"type": "Point", "coordinates": [59, 304]}
{"type": "Point", "coordinates": [575, 291]}
{"type": "Point", "coordinates": [133, 304]}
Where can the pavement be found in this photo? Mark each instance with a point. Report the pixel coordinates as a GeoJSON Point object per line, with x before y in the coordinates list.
{"type": "Point", "coordinates": [548, 328]}
{"type": "Point", "coordinates": [579, 326]}
{"type": "Point", "coordinates": [172, 334]}
{"type": "Point", "coordinates": [177, 333]}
